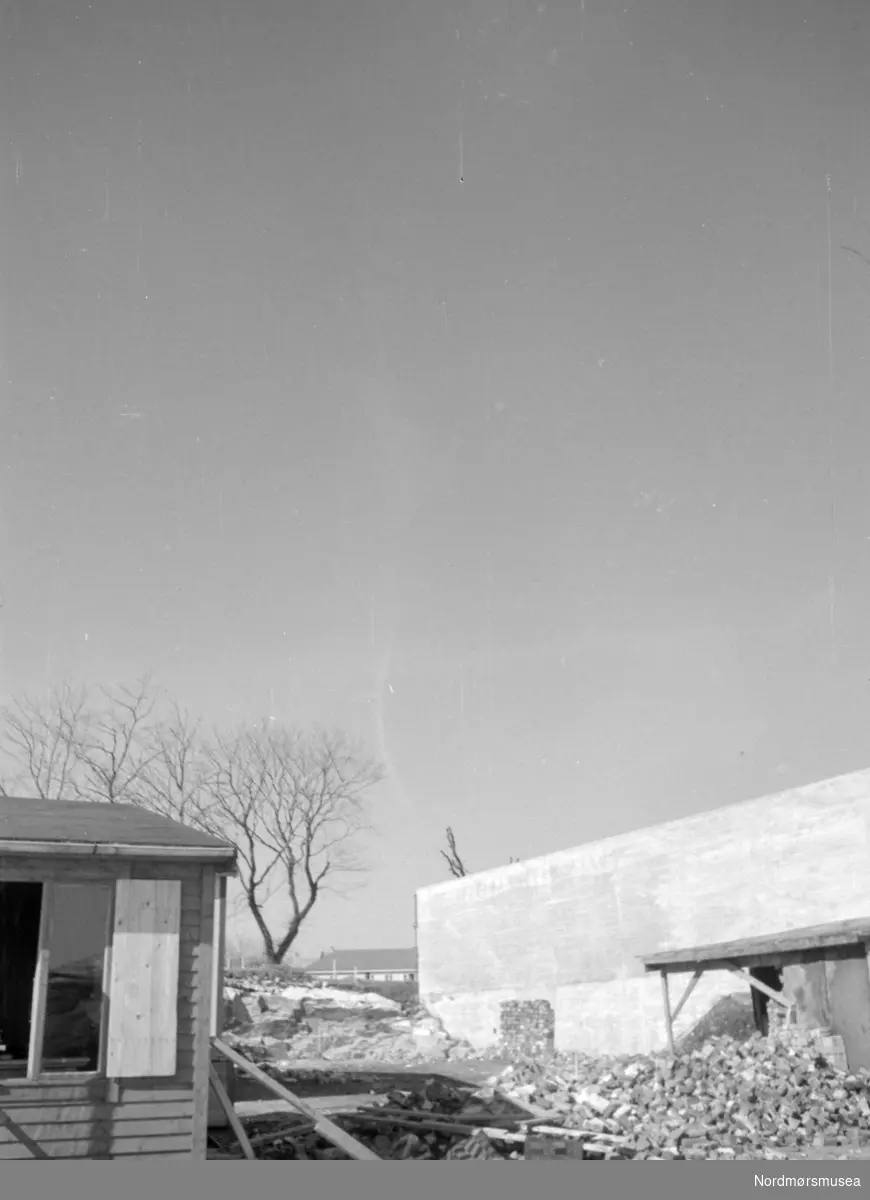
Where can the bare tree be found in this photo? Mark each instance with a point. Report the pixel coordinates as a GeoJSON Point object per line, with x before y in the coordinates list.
{"type": "Point", "coordinates": [40, 738]}
{"type": "Point", "coordinates": [173, 775]}
{"type": "Point", "coordinates": [293, 805]}
{"type": "Point", "coordinates": [74, 745]}
{"type": "Point", "coordinates": [451, 857]}
{"type": "Point", "coordinates": [114, 748]}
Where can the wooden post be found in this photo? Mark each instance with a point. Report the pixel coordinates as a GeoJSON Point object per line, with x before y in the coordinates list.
{"type": "Point", "coordinates": [220, 944]}
{"type": "Point", "coordinates": [40, 983]}
{"type": "Point", "coordinates": [693, 983]}
{"type": "Point", "coordinates": [322, 1124]}
{"type": "Point", "coordinates": [226, 1104]}
{"type": "Point", "coordinates": [666, 1001]}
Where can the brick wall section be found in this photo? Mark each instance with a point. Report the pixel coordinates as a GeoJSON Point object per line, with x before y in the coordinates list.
{"type": "Point", "coordinates": [569, 927]}
{"type": "Point", "coordinates": [527, 1028]}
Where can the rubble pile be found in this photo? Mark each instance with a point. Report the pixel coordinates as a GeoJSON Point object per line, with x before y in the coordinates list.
{"type": "Point", "coordinates": [303, 1023]}
{"type": "Point", "coordinates": [760, 1097]}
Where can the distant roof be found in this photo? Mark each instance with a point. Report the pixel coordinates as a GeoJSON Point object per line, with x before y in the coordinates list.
{"type": "Point", "coordinates": [365, 960]}
{"type": "Point", "coordinates": [34, 826]}
{"type": "Point", "coordinates": [809, 937]}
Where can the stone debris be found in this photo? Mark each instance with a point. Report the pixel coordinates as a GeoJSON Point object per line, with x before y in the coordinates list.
{"type": "Point", "coordinates": [760, 1098]}
{"type": "Point", "coordinates": [788, 1095]}
{"type": "Point", "coordinates": [756, 1098]}
{"type": "Point", "coordinates": [335, 1025]}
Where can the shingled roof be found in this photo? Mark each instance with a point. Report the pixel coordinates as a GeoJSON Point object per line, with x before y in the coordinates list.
{"type": "Point", "coordinates": [76, 827]}
{"type": "Point", "coordinates": [348, 961]}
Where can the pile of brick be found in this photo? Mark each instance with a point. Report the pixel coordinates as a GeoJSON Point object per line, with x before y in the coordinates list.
{"type": "Point", "coordinates": [760, 1098]}
{"type": "Point", "coordinates": [527, 1028]}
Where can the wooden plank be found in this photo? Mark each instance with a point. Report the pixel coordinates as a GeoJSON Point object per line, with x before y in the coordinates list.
{"type": "Point", "coordinates": [153, 1156]}
{"type": "Point", "coordinates": [20, 1092]}
{"type": "Point", "coordinates": [161, 869]}
{"type": "Point", "coordinates": [156, 1127]}
{"type": "Point", "coordinates": [162, 1143]}
{"type": "Point", "coordinates": [693, 983]}
{"type": "Point", "coordinates": [230, 1113]}
{"type": "Point", "coordinates": [742, 973]}
{"type": "Point", "coordinates": [137, 1147]}
{"type": "Point", "coordinates": [140, 1093]}
{"type": "Point", "coordinates": [58, 1114]}
{"type": "Point", "coordinates": [202, 1018]}
{"type": "Point", "coordinates": [107, 985]}
{"type": "Point", "coordinates": [323, 1125]}
{"type": "Point", "coordinates": [40, 983]}
{"type": "Point", "coordinates": [37, 870]}
{"type": "Point", "coordinates": [218, 957]}
{"type": "Point", "coordinates": [199, 854]}
{"type": "Point", "coordinates": [666, 1001]}
{"type": "Point", "coordinates": [143, 1017]}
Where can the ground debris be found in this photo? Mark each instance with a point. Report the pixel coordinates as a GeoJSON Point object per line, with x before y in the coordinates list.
{"type": "Point", "coordinates": [725, 1095]}
{"type": "Point", "coordinates": [732, 1099]}
{"type": "Point", "coordinates": [273, 1021]}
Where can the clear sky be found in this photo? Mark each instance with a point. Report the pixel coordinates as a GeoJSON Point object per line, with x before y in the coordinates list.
{"type": "Point", "coordinates": [487, 379]}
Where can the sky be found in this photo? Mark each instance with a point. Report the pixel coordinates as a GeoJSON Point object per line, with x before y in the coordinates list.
{"type": "Point", "coordinates": [484, 379]}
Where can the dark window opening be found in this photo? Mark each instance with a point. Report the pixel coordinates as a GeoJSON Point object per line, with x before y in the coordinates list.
{"type": "Point", "coordinates": [20, 907]}
{"type": "Point", "coordinates": [772, 976]}
{"type": "Point", "coordinates": [70, 999]}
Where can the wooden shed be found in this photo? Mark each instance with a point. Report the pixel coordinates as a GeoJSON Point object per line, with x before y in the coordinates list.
{"type": "Point", "coordinates": [820, 972]}
{"type": "Point", "coordinates": [111, 942]}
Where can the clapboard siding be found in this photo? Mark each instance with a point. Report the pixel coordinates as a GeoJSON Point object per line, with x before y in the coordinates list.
{"type": "Point", "coordinates": [34, 1113]}
{"type": "Point", "coordinates": [144, 1118]}
{"type": "Point", "coordinates": [162, 1145]}
{"type": "Point", "coordinates": [151, 1091]}
{"type": "Point", "coordinates": [114, 1126]}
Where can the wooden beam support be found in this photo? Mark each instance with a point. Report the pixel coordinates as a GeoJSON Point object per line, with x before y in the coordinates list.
{"type": "Point", "coordinates": [226, 1104]}
{"type": "Point", "coordinates": [666, 1001]}
{"type": "Point", "coordinates": [693, 983]}
{"type": "Point", "coordinates": [743, 973]}
{"type": "Point", "coordinates": [326, 1128]}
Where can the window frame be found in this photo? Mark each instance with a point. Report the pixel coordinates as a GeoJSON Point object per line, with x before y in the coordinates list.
{"type": "Point", "coordinates": [39, 998]}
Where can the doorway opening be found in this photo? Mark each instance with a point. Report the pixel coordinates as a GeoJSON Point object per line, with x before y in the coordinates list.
{"type": "Point", "coordinates": [772, 977]}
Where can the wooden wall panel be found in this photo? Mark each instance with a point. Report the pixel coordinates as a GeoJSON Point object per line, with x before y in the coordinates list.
{"type": "Point", "coordinates": [143, 995]}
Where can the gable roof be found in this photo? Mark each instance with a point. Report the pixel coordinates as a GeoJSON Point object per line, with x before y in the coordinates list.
{"type": "Point", "coordinates": [365, 960]}
{"type": "Point", "coordinates": [78, 827]}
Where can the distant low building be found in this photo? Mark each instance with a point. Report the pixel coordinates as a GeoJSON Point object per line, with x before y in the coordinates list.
{"type": "Point", "coordinates": [375, 965]}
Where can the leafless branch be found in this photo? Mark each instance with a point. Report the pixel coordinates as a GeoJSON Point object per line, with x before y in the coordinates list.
{"type": "Point", "coordinates": [115, 750]}
{"type": "Point", "coordinates": [40, 739]}
{"type": "Point", "coordinates": [451, 857]}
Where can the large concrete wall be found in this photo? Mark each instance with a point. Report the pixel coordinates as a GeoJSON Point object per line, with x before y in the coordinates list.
{"type": "Point", "coordinates": [569, 927]}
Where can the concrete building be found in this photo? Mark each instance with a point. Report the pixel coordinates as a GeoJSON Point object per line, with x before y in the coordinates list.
{"type": "Point", "coordinates": [575, 927]}
{"type": "Point", "coordinates": [361, 965]}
